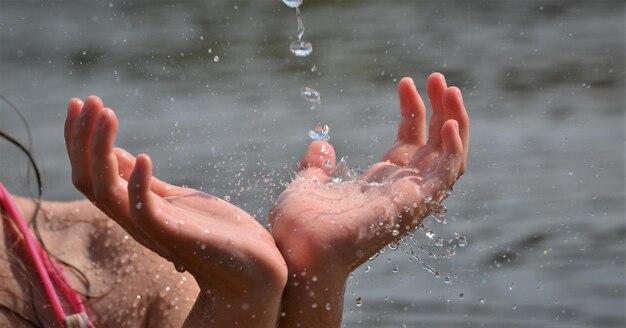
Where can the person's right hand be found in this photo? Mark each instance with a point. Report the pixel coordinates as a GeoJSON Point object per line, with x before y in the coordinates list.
{"type": "Point", "coordinates": [229, 253]}
{"type": "Point", "coordinates": [325, 230]}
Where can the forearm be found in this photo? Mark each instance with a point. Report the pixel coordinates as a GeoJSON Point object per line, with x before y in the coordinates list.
{"type": "Point", "coordinates": [212, 309]}
{"type": "Point", "coordinates": [313, 296]}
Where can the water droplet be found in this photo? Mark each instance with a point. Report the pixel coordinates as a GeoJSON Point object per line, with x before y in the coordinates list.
{"type": "Point", "coordinates": [374, 256]}
{"type": "Point", "coordinates": [462, 240]}
{"type": "Point", "coordinates": [393, 245]}
{"type": "Point", "coordinates": [138, 205]}
{"type": "Point", "coordinates": [311, 95]}
{"type": "Point", "coordinates": [394, 268]}
{"type": "Point", "coordinates": [358, 301]}
{"type": "Point", "coordinates": [511, 286]}
{"type": "Point", "coordinates": [395, 232]}
{"type": "Point", "coordinates": [320, 132]}
{"type": "Point", "coordinates": [292, 3]}
{"type": "Point", "coordinates": [216, 59]}
{"type": "Point", "coordinates": [481, 300]}
{"type": "Point", "coordinates": [447, 280]}
{"type": "Point", "coordinates": [180, 268]}
{"type": "Point", "coordinates": [227, 198]}
{"type": "Point", "coordinates": [430, 234]}
{"type": "Point", "coordinates": [328, 307]}
{"type": "Point", "coordinates": [301, 48]}
{"type": "Point", "coordinates": [367, 269]}
{"type": "Point", "coordinates": [461, 296]}
{"type": "Point", "coordinates": [439, 241]}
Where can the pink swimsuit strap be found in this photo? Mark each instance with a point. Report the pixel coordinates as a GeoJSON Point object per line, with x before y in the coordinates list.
{"type": "Point", "coordinates": [50, 272]}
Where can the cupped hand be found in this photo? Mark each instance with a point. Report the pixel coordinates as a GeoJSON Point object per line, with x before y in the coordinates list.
{"type": "Point", "coordinates": [320, 224]}
{"type": "Point", "coordinates": [222, 246]}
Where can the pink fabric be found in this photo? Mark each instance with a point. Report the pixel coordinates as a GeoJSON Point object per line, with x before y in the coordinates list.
{"type": "Point", "coordinates": [50, 273]}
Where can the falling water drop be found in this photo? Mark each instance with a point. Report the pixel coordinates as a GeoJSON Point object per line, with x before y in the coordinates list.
{"type": "Point", "coordinates": [320, 132]}
{"type": "Point", "coordinates": [301, 48]}
{"type": "Point", "coordinates": [292, 3]}
{"type": "Point", "coordinates": [311, 95]}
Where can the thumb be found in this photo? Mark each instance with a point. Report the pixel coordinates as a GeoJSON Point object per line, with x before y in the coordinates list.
{"type": "Point", "coordinates": [318, 161]}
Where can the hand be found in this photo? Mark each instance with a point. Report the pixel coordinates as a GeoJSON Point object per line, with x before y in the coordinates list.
{"type": "Point", "coordinates": [327, 229]}
{"type": "Point", "coordinates": [228, 252]}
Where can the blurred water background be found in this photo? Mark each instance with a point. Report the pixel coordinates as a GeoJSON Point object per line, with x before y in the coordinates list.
{"type": "Point", "coordinates": [211, 91]}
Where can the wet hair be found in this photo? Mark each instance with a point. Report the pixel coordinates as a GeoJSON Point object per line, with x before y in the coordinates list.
{"type": "Point", "coordinates": [37, 199]}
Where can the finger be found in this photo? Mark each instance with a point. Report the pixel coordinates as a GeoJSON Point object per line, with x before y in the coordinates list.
{"type": "Point", "coordinates": [318, 161]}
{"type": "Point", "coordinates": [126, 163]}
{"type": "Point", "coordinates": [413, 124]}
{"type": "Point", "coordinates": [144, 210]}
{"type": "Point", "coordinates": [443, 171]}
{"type": "Point", "coordinates": [80, 152]}
{"type": "Point", "coordinates": [455, 109]}
{"type": "Point", "coordinates": [436, 87]}
{"type": "Point", "coordinates": [110, 190]}
{"type": "Point", "coordinates": [142, 200]}
{"type": "Point", "coordinates": [73, 109]}
{"type": "Point", "coordinates": [144, 204]}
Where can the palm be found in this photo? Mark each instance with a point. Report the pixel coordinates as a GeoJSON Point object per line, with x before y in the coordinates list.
{"type": "Point", "coordinates": [198, 227]}
{"type": "Point", "coordinates": [352, 220]}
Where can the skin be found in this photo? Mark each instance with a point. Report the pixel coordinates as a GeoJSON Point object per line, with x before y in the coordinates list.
{"type": "Point", "coordinates": [237, 273]}
{"type": "Point", "coordinates": [234, 260]}
{"type": "Point", "coordinates": [326, 230]}
{"type": "Point", "coordinates": [130, 285]}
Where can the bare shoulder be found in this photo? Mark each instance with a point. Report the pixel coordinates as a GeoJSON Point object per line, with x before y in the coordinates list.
{"type": "Point", "coordinates": [11, 319]}
{"type": "Point", "coordinates": [126, 283]}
